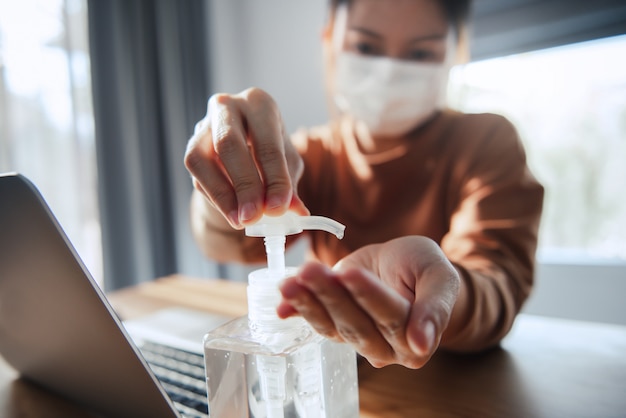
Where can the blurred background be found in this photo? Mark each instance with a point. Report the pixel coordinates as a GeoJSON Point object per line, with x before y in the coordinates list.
{"type": "Point", "coordinates": [98, 99]}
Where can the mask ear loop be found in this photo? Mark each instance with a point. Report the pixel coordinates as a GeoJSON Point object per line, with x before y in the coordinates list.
{"type": "Point", "coordinates": [340, 23]}
{"type": "Point", "coordinates": [451, 46]}
{"type": "Point", "coordinates": [339, 27]}
{"type": "Point", "coordinates": [448, 62]}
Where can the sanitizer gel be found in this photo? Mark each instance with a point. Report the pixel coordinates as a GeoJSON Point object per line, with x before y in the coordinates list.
{"type": "Point", "coordinates": [262, 366]}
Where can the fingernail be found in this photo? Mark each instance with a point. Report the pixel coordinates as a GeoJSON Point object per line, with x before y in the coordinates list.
{"type": "Point", "coordinates": [275, 202]}
{"type": "Point", "coordinates": [428, 332]}
{"type": "Point", "coordinates": [233, 217]}
{"type": "Point", "coordinates": [247, 212]}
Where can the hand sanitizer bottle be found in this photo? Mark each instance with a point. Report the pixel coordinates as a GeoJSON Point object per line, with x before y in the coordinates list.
{"type": "Point", "coordinates": [262, 366]}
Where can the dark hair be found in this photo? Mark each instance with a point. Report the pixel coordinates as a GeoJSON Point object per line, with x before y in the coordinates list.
{"type": "Point", "coordinates": [456, 12]}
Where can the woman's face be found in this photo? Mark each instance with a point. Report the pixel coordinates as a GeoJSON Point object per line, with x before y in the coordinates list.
{"type": "Point", "coordinates": [412, 30]}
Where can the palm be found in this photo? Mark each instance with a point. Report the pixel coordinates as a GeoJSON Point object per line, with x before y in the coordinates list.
{"type": "Point", "coordinates": [381, 299]}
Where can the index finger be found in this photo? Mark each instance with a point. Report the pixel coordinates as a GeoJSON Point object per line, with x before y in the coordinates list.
{"type": "Point", "coordinates": [207, 173]}
{"type": "Point", "coordinates": [228, 128]}
{"type": "Point", "coordinates": [267, 136]}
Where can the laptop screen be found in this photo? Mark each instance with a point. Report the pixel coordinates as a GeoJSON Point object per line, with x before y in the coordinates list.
{"type": "Point", "coordinates": [56, 326]}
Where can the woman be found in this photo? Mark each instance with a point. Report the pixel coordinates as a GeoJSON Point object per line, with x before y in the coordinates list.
{"type": "Point", "coordinates": [440, 208]}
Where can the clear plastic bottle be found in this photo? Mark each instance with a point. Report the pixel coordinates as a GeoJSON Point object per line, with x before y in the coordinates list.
{"type": "Point", "coordinates": [262, 366]}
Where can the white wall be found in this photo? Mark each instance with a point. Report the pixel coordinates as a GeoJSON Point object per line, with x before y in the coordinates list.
{"type": "Point", "coordinates": [276, 45]}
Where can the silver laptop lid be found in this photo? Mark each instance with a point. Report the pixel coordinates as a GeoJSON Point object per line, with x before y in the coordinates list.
{"type": "Point", "coordinates": [56, 326]}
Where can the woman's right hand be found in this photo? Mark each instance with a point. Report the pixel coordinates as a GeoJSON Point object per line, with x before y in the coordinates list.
{"type": "Point", "coordinates": [241, 159]}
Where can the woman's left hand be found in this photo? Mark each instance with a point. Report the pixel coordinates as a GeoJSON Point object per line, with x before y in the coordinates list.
{"type": "Point", "coordinates": [391, 301]}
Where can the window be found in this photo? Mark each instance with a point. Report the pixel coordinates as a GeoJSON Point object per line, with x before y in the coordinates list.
{"type": "Point", "coordinates": [569, 106]}
{"type": "Point", "coordinates": [46, 121]}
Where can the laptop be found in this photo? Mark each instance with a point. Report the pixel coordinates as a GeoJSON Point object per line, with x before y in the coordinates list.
{"type": "Point", "coordinates": [58, 330]}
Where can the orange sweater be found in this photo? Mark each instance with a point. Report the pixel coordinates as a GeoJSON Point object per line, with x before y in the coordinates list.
{"type": "Point", "coordinates": [460, 180]}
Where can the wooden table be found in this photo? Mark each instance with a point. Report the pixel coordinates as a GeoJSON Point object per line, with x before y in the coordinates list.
{"type": "Point", "coordinates": [544, 368]}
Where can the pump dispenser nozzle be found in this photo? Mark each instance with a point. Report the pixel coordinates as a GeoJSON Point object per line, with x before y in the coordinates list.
{"type": "Point", "coordinates": [290, 223]}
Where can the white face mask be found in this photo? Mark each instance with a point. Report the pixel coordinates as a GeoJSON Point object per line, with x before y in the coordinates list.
{"type": "Point", "coordinates": [389, 96]}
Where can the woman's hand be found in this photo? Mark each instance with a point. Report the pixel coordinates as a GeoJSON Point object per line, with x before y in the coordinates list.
{"type": "Point", "coordinates": [242, 161]}
{"type": "Point", "coordinates": [391, 301]}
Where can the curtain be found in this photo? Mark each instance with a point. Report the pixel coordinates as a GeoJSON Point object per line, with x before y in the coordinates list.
{"type": "Point", "coordinates": [149, 63]}
{"type": "Point", "coordinates": [503, 27]}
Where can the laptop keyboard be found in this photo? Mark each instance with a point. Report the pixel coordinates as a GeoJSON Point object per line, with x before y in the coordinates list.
{"type": "Point", "coordinates": [181, 374]}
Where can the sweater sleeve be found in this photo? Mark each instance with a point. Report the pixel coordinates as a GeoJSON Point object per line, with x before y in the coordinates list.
{"type": "Point", "coordinates": [493, 232]}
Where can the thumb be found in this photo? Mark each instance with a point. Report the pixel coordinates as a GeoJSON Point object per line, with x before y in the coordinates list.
{"type": "Point", "coordinates": [423, 332]}
{"type": "Point", "coordinates": [430, 314]}
{"type": "Point", "coordinates": [297, 205]}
